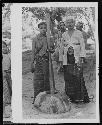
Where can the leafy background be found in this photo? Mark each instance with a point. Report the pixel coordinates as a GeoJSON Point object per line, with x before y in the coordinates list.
{"type": "Point", "coordinates": [33, 15]}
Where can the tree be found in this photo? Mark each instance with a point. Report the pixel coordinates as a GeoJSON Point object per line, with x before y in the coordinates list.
{"type": "Point", "coordinates": [57, 13]}
{"type": "Point", "coordinates": [6, 27]}
{"type": "Point", "coordinates": [38, 13]}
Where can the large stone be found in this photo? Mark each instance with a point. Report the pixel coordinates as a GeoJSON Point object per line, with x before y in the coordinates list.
{"type": "Point", "coordinates": [52, 103]}
{"type": "Point", "coordinates": [39, 98]}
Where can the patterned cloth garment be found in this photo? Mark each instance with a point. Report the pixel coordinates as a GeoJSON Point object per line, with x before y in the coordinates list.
{"type": "Point", "coordinates": [6, 62]}
{"type": "Point", "coordinates": [41, 56]}
{"type": "Point", "coordinates": [41, 76]}
{"type": "Point", "coordinates": [7, 91]}
{"type": "Point", "coordinates": [40, 45]}
{"type": "Point", "coordinates": [73, 75]}
{"type": "Point", "coordinates": [74, 83]}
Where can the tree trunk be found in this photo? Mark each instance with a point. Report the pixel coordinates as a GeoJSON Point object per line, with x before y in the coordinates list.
{"type": "Point", "coordinates": [51, 78]}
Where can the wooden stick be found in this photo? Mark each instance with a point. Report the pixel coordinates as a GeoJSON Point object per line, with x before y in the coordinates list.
{"type": "Point", "coordinates": [51, 78]}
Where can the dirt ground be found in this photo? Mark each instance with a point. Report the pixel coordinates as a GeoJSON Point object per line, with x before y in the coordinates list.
{"type": "Point", "coordinates": [79, 111]}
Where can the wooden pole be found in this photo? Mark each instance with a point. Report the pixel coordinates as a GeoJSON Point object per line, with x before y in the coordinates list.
{"type": "Point", "coordinates": [51, 77]}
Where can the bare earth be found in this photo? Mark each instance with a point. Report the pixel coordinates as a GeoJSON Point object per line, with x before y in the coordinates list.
{"type": "Point", "coordinates": [79, 111]}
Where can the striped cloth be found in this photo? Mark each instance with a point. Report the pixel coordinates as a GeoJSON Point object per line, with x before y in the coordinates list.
{"type": "Point", "coordinates": [74, 83]}
{"type": "Point", "coordinates": [41, 76]}
{"type": "Point", "coordinates": [6, 93]}
{"type": "Point", "coordinates": [6, 64]}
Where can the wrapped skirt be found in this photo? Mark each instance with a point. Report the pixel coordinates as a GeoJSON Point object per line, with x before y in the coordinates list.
{"type": "Point", "coordinates": [41, 76]}
{"type": "Point", "coordinates": [74, 83]}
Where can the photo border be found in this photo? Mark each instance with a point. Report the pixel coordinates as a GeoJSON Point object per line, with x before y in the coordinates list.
{"type": "Point", "coordinates": [16, 61]}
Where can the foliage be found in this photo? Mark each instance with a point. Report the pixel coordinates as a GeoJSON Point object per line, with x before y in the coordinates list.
{"type": "Point", "coordinates": [6, 27]}
{"type": "Point", "coordinates": [57, 13]}
{"type": "Point", "coordinates": [30, 14]}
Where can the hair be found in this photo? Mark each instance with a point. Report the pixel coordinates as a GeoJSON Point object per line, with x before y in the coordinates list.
{"type": "Point", "coordinates": [42, 23]}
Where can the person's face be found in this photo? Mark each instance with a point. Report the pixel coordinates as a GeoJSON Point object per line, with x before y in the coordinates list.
{"type": "Point", "coordinates": [4, 48]}
{"type": "Point", "coordinates": [42, 29]}
{"type": "Point", "coordinates": [70, 24]}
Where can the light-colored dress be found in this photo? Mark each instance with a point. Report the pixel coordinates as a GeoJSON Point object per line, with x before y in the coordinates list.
{"type": "Point", "coordinates": [76, 41]}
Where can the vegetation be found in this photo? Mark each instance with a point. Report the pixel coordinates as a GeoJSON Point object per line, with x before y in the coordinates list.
{"type": "Point", "coordinates": [33, 15]}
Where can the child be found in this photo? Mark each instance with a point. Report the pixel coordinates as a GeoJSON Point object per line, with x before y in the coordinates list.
{"type": "Point", "coordinates": [40, 60]}
{"type": "Point", "coordinates": [6, 68]}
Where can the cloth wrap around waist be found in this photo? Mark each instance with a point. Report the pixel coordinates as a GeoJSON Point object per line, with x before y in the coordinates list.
{"type": "Point", "coordinates": [41, 74]}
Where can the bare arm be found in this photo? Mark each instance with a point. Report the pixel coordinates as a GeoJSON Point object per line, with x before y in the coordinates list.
{"type": "Point", "coordinates": [82, 46]}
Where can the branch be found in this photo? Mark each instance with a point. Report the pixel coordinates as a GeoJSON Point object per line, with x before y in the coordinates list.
{"type": "Point", "coordinates": [87, 17]}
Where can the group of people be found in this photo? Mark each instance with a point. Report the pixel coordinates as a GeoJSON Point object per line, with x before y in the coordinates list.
{"type": "Point", "coordinates": [61, 28]}
{"type": "Point", "coordinates": [6, 75]}
{"type": "Point", "coordinates": [72, 43]}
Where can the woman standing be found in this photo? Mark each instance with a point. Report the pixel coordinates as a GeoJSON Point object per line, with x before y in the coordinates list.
{"type": "Point", "coordinates": [73, 52]}
{"type": "Point", "coordinates": [6, 71]}
{"type": "Point", "coordinates": [40, 60]}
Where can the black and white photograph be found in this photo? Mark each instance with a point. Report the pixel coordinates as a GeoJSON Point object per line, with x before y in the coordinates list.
{"type": "Point", "coordinates": [58, 62]}
{"type": "Point", "coordinates": [55, 62]}
{"type": "Point", "coordinates": [6, 62]}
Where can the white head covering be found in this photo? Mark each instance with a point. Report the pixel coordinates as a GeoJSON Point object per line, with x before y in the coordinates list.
{"type": "Point", "coordinates": [70, 16]}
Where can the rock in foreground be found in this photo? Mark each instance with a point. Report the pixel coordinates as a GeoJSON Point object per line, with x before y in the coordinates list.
{"type": "Point", "coordinates": [52, 104]}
